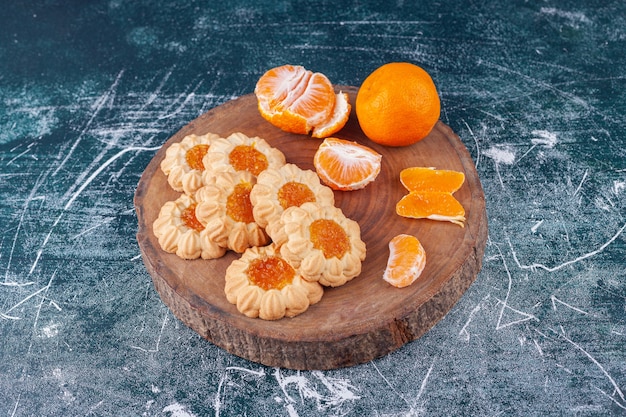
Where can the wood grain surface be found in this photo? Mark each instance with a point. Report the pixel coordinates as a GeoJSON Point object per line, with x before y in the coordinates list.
{"type": "Point", "coordinates": [362, 320]}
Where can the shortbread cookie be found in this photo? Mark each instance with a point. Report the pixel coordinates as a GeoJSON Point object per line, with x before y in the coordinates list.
{"type": "Point", "coordinates": [278, 189]}
{"type": "Point", "coordinates": [224, 209]}
{"type": "Point", "coordinates": [183, 163]}
{"type": "Point", "coordinates": [239, 152]}
{"type": "Point", "coordinates": [263, 284]}
{"type": "Point", "coordinates": [322, 243]}
{"type": "Point", "coordinates": [179, 231]}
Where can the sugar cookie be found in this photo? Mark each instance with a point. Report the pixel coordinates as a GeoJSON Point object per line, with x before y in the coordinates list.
{"type": "Point", "coordinates": [263, 284]}
{"type": "Point", "coordinates": [183, 163]}
{"type": "Point", "coordinates": [179, 231]}
{"type": "Point", "coordinates": [239, 152]}
{"type": "Point", "coordinates": [224, 209]}
{"type": "Point", "coordinates": [322, 243]}
{"type": "Point", "coordinates": [287, 186]}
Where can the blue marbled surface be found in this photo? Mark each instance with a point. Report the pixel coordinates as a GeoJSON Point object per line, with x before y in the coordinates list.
{"type": "Point", "coordinates": [90, 90]}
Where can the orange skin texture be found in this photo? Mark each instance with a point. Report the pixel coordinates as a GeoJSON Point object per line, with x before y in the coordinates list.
{"type": "Point", "coordinates": [397, 104]}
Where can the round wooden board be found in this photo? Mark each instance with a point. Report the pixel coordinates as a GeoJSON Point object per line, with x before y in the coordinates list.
{"type": "Point", "coordinates": [355, 323]}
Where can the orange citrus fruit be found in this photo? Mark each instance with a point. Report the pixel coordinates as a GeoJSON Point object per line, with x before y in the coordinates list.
{"type": "Point", "coordinates": [345, 165]}
{"type": "Point", "coordinates": [431, 179]}
{"type": "Point", "coordinates": [406, 262]}
{"type": "Point", "coordinates": [338, 118]}
{"type": "Point", "coordinates": [397, 104]}
{"type": "Point", "coordinates": [297, 100]}
{"type": "Point", "coordinates": [434, 205]}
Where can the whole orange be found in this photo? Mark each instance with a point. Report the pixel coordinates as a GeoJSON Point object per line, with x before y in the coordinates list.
{"type": "Point", "coordinates": [397, 104]}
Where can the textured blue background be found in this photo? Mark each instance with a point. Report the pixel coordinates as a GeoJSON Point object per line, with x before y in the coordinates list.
{"type": "Point", "coordinates": [90, 90]}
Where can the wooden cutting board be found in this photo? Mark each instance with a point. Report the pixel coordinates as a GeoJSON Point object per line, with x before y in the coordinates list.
{"type": "Point", "coordinates": [355, 323]}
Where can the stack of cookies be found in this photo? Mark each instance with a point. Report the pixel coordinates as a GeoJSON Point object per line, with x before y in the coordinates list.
{"type": "Point", "coordinates": [239, 194]}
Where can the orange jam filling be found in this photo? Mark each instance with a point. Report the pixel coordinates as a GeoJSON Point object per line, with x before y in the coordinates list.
{"type": "Point", "coordinates": [238, 205]}
{"type": "Point", "coordinates": [270, 273]}
{"type": "Point", "coordinates": [188, 216]}
{"type": "Point", "coordinates": [294, 194]}
{"type": "Point", "coordinates": [246, 158]}
{"type": "Point", "coordinates": [194, 156]}
{"type": "Point", "coordinates": [329, 237]}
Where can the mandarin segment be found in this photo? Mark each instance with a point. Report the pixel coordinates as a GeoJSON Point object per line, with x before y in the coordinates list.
{"type": "Point", "coordinates": [432, 205]}
{"type": "Point", "coordinates": [430, 194]}
{"type": "Point", "coordinates": [296, 95]}
{"type": "Point", "coordinates": [316, 103]}
{"type": "Point", "coordinates": [407, 259]}
{"type": "Point", "coordinates": [275, 85]}
{"type": "Point", "coordinates": [337, 120]}
{"type": "Point", "coordinates": [346, 165]}
{"type": "Point", "coordinates": [431, 179]}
